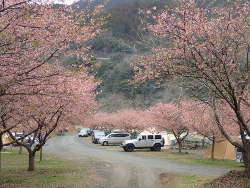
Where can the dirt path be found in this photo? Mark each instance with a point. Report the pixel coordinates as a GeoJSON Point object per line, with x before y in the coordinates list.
{"type": "Point", "coordinates": [120, 169]}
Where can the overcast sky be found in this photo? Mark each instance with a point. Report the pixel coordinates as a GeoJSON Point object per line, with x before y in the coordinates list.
{"type": "Point", "coordinates": [67, 2]}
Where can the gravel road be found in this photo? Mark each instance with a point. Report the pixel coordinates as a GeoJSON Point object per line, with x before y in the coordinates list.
{"type": "Point", "coordinates": [115, 169]}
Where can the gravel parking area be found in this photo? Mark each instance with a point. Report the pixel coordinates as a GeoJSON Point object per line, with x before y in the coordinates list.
{"type": "Point", "coordinates": [116, 169]}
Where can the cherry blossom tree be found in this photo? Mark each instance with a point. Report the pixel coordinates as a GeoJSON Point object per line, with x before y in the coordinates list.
{"type": "Point", "coordinates": [210, 48]}
{"type": "Point", "coordinates": [34, 35]}
{"type": "Point", "coordinates": [125, 119]}
{"type": "Point", "coordinates": [101, 120]}
{"type": "Point", "coordinates": [203, 123]}
{"type": "Point", "coordinates": [199, 118]}
{"type": "Point", "coordinates": [131, 119]}
{"type": "Point", "coordinates": [170, 117]}
{"type": "Point", "coordinates": [69, 100]}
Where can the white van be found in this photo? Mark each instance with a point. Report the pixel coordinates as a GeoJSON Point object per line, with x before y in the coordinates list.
{"type": "Point", "coordinates": [114, 139]}
{"type": "Point", "coordinates": [83, 133]}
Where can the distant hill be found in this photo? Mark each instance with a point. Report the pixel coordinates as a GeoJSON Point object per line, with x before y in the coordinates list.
{"type": "Point", "coordinates": [114, 50]}
{"type": "Point", "coordinates": [111, 3]}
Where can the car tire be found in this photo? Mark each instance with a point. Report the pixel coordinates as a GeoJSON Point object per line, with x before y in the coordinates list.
{"type": "Point", "coordinates": [105, 143]}
{"type": "Point", "coordinates": [157, 147]}
{"type": "Point", "coordinates": [130, 148]}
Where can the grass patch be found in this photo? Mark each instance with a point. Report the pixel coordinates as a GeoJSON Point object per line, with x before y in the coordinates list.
{"type": "Point", "coordinates": [183, 180]}
{"type": "Point", "coordinates": [223, 163]}
{"type": "Point", "coordinates": [191, 181]}
{"type": "Point", "coordinates": [191, 158]}
{"type": "Point", "coordinates": [51, 172]}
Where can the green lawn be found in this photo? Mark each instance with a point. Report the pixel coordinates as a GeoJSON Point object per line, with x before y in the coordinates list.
{"type": "Point", "coordinates": [183, 180]}
{"type": "Point", "coordinates": [51, 172]}
{"type": "Point", "coordinates": [191, 181]}
{"type": "Point", "coordinates": [190, 157]}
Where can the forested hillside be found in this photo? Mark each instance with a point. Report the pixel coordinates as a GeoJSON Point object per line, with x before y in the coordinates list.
{"type": "Point", "coordinates": [124, 40]}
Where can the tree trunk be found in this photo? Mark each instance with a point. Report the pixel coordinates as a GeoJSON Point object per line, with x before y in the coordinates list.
{"type": "Point", "coordinates": [178, 140]}
{"type": "Point", "coordinates": [246, 158]}
{"type": "Point", "coordinates": [1, 148]}
{"type": "Point", "coordinates": [41, 154]}
{"type": "Point", "coordinates": [20, 149]}
{"type": "Point", "coordinates": [203, 143]}
{"type": "Point", "coordinates": [179, 146]}
{"type": "Point", "coordinates": [212, 151]}
{"type": "Point", "coordinates": [31, 161]}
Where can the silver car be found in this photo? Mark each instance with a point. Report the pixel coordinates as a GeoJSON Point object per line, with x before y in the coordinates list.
{"type": "Point", "coordinates": [96, 135]}
{"type": "Point", "coordinates": [114, 139]}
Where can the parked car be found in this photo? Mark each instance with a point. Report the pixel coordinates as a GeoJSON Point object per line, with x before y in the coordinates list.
{"type": "Point", "coordinates": [31, 140]}
{"type": "Point", "coordinates": [89, 130]}
{"type": "Point", "coordinates": [96, 135]}
{"type": "Point", "coordinates": [114, 139]}
{"type": "Point", "coordinates": [26, 140]}
{"type": "Point", "coordinates": [17, 135]}
{"type": "Point", "coordinates": [152, 141]}
{"type": "Point", "coordinates": [60, 133]}
{"type": "Point", "coordinates": [107, 132]}
{"type": "Point", "coordinates": [83, 133]}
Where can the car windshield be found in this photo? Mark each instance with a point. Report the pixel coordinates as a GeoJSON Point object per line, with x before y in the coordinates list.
{"type": "Point", "coordinates": [138, 136]}
{"type": "Point", "coordinates": [100, 133]}
{"type": "Point", "coordinates": [19, 134]}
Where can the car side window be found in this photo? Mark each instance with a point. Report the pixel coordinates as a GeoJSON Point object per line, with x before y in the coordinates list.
{"type": "Point", "coordinates": [118, 135]}
{"type": "Point", "coordinates": [157, 136]}
{"type": "Point", "coordinates": [150, 137]}
{"type": "Point", "coordinates": [143, 137]}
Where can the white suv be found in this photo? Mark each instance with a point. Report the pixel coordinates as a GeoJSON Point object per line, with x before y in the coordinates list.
{"type": "Point", "coordinates": [114, 139]}
{"type": "Point", "coordinates": [152, 141]}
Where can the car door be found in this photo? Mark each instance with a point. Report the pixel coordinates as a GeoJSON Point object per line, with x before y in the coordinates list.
{"type": "Point", "coordinates": [150, 141]}
{"type": "Point", "coordinates": [118, 138]}
{"type": "Point", "coordinates": [112, 139]}
{"type": "Point", "coordinates": [159, 139]}
{"type": "Point", "coordinates": [122, 137]}
{"type": "Point", "coordinates": [141, 141]}
{"type": "Point", "coordinates": [126, 136]}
